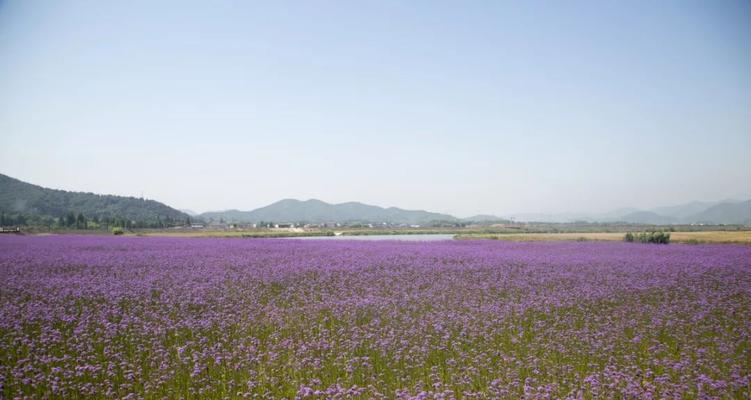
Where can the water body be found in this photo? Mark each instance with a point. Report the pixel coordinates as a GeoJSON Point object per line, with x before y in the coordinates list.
{"type": "Point", "coordinates": [412, 238]}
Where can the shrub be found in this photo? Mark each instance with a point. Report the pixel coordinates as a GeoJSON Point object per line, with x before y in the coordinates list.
{"type": "Point", "coordinates": [117, 231]}
{"type": "Point", "coordinates": [648, 237]}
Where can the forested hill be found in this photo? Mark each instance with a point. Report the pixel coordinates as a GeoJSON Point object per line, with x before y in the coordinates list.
{"type": "Point", "coordinates": [23, 199]}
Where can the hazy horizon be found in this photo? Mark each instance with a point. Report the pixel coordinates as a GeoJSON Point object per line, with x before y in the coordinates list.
{"type": "Point", "coordinates": [459, 108]}
{"type": "Point", "coordinates": [506, 214]}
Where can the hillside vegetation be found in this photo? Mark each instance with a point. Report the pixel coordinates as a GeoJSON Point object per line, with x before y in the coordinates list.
{"type": "Point", "coordinates": [21, 202]}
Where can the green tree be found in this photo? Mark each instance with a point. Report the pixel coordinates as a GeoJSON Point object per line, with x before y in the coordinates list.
{"type": "Point", "coordinates": [81, 221]}
{"type": "Point", "coordinates": [70, 219]}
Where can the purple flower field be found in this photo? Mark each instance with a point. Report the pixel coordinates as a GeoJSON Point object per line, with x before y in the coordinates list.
{"type": "Point", "coordinates": [116, 317]}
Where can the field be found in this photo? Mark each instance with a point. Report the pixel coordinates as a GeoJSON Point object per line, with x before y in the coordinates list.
{"type": "Point", "coordinates": [697, 237]}
{"type": "Point", "coordinates": [142, 317]}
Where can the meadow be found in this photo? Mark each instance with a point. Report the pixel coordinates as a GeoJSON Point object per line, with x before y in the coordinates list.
{"type": "Point", "coordinates": [694, 237]}
{"type": "Point", "coordinates": [691, 234]}
{"type": "Point", "coordinates": [145, 317]}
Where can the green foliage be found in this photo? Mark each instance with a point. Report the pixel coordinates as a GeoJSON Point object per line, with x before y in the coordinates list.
{"type": "Point", "coordinates": [657, 237]}
{"type": "Point", "coordinates": [70, 219]}
{"type": "Point", "coordinates": [11, 220]}
{"type": "Point", "coordinates": [81, 222]}
{"type": "Point", "coordinates": [22, 203]}
{"type": "Point", "coordinates": [117, 230]}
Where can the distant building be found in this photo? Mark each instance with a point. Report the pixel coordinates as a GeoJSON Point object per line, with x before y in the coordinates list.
{"type": "Point", "coordinates": [196, 226]}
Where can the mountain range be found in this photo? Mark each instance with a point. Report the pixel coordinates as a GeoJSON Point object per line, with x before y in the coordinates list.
{"type": "Point", "coordinates": [21, 198]}
{"type": "Point", "coordinates": [317, 211]}
{"type": "Point", "coordinates": [720, 212]}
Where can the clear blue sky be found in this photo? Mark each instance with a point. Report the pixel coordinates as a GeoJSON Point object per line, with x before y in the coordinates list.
{"type": "Point", "coordinates": [462, 107]}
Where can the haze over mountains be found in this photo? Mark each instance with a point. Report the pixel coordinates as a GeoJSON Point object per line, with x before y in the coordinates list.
{"type": "Point", "coordinates": [727, 211]}
{"type": "Point", "coordinates": [317, 211]}
{"type": "Point", "coordinates": [17, 197]}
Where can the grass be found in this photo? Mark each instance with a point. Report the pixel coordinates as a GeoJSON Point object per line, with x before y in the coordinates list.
{"type": "Point", "coordinates": [735, 237]}
{"type": "Point", "coordinates": [687, 237]}
{"type": "Point", "coordinates": [511, 231]}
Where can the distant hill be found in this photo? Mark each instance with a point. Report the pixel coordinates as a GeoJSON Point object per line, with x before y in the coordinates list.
{"type": "Point", "coordinates": [484, 218]}
{"type": "Point", "coordinates": [646, 217]}
{"type": "Point", "coordinates": [726, 213]}
{"type": "Point", "coordinates": [718, 212]}
{"type": "Point", "coordinates": [721, 212]}
{"type": "Point", "coordinates": [21, 198]}
{"type": "Point", "coordinates": [317, 211]}
{"type": "Point", "coordinates": [684, 211]}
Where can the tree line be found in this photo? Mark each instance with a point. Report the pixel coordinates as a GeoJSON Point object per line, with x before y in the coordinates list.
{"type": "Point", "coordinates": [73, 220]}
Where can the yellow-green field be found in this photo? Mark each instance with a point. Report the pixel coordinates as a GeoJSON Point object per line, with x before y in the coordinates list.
{"type": "Point", "coordinates": [741, 237]}
{"type": "Point", "coordinates": [738, 237]}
